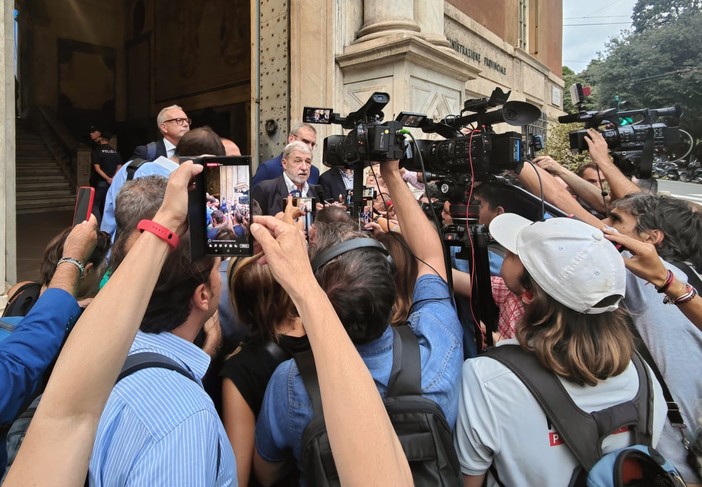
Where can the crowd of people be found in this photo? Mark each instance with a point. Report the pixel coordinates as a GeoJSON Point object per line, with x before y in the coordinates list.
{"type": "Point", "coordinates": [183, 371]}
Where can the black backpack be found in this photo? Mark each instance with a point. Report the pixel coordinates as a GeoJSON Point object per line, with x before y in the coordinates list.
{"type": "Point", "coordinates": [23, 300]}
{"type": "Point", "coordinates": [639, 465]}
{"type": "Point", "coordinates": [134, 363]}
{"type": "Point", "coordinates": [420, 424]}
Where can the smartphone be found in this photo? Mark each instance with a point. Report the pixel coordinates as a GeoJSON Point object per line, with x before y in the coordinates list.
{"type": "Point", "coordinates": [219, 208]}
{"type": "Point", "coordinates": [84, 204]}
{"type": "Point", "coordinates": [317, 115]}
{"type": "Point", "coordinates": [368, 192]}
{"type": "Point", "coordinates": [307, 205]}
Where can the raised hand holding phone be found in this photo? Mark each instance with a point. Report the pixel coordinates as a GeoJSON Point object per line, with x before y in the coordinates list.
{"type": "Point", "coordinates": [84, 205]}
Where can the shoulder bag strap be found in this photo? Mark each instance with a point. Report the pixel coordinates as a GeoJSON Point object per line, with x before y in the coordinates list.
{"type": "Point", "coordinates": [693, 278]}
{"type": "Point", "coordinates": [674, 415]}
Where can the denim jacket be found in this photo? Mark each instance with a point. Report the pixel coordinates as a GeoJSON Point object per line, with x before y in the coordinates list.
{"type": "Point", "coordinates": [287, 408]}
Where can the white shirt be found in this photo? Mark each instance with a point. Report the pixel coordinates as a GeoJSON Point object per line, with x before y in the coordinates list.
{"type": "Point", "coordinates": [170, 148]}
{"type": "Point", "coordinates": [293, 187]}
{"type": "Point", "coordinates": [499, 419]}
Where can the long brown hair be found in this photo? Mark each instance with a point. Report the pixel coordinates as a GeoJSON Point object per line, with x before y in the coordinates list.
{"type": "Point", "coordinates": [582, 348]}
{"type": "Point", "coordinates": [405, 274]}
{"type": "Point", "coordinates": [257, 298]}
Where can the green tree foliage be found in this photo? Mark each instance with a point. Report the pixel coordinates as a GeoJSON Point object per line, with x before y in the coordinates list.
{"type": "Point", "coordinates": [657, 13]}
{"type": "Point", "coordinates": [659, 66]}
{"type": "Point", "coordinates": [558, 145]}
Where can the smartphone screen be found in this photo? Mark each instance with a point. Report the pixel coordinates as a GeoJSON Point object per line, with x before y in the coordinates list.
{"type": "Point", "coordinates": [227, 208]}
{"type": "Point", "coordinates": [317, 115]}
{"type": "Point", "coordinates": [84, 204]}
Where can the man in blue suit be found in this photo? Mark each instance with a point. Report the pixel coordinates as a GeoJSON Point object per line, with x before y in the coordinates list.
{"type": "Point", "coordinates": [273, 168]}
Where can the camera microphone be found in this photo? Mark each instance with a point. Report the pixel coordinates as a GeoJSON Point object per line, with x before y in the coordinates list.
{"type": "Point", "coordinates": [570, 118]}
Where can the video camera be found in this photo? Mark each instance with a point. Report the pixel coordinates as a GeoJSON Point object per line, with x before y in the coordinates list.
{"type": "Point", "coordinates": [631, 143]}
{"type": "Point", "coordinates": [453, 163]}
{"type": "Point", "coordinates": [369, 139]}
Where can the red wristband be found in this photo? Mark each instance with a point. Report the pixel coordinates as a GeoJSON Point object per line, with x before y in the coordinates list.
{"type": "Point", "coordinates": [160, 231]}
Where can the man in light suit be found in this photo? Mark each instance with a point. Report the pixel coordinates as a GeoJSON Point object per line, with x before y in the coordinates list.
{"type": "Point", "coordinates": [173, 123]}
{"type": "Point", "coordinates": [273, 168]}
{"type": "Point", "coordinates": [296, 161]}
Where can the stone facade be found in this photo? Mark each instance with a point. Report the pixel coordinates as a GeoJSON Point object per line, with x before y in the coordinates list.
{"type": "Point", "coordinates": [429, 55]}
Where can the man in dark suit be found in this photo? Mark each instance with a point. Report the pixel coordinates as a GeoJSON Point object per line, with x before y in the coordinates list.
{"type": "Point", "coordinates": [336, 182]}
{"type": "Point", "coordinates": [273, 168]}
{"type": "Point", "coordinates": [173, 123]}
{"type": "Point", "coordinates": [297, 161]}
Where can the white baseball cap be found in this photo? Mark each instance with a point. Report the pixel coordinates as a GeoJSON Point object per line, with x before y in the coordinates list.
{"type": "Point", "coordinates": [572, 261]}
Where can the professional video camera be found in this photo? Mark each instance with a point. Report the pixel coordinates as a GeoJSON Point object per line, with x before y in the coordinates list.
{"type": "Point", "coordinates": [462, 158]}
{"type": "Point", "coordinates": [369, 139]}
{"type": "Point", "coordinates": [631, 143]}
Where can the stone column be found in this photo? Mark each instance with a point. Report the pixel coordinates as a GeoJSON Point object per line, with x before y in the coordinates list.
{"type": "Point", "coordinates": [382, 18]}
{"type": "Point", "coordinates": [430, 18]}
{"type": "Point", "coordinates": [8, 247]}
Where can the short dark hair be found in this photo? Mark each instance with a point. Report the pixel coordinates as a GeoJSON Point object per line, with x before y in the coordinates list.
{"type": "Point", "coordinates": [359, 283]}
{"type": "Point", "coordinates": [171, 302]}
{"type": "Point", "coordinates": [199, 141]}
{"type": "Point", "coordinates": [676, 218]}
{"type": "Point", "coordinates": [495, 195]}
{"type": "Point", "coordinates": [581, 169]}
{"type": "Point", "coordinates": [218, 216]}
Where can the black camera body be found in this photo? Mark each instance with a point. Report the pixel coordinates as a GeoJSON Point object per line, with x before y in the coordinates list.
{"type": "Point", "coordinates": [632, 145]}
{"type": "Point", "coordinates": [364, 143]}
{"type": "Point", "coordinates": [454, 163]}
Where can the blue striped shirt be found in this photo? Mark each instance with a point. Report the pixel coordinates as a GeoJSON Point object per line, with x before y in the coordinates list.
{"type": "Point", "coordinates": [160, 428]}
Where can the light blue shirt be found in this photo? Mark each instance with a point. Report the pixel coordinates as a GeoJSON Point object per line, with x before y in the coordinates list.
{"type": "Point", "coordinates": [287, 409]}
{"type": "Point", "coordinates": [161, 428]}
{"type": "Point", "coordinates": [160, 167]}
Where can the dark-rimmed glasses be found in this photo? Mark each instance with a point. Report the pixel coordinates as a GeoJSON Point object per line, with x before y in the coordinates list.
{"type": "Point", "coordinates": [180, 121]}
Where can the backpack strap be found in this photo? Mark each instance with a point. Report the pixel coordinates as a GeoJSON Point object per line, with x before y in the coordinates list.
{"type": "Point", "coordinates": [133, 166]}
{"type": "Point", "coordinates": [583, 433]}
{"type": "Point", "coordinates": [151, 148]}
{"type": "Point", "coordinates": [145, 360]}
{"type": "Point", "coordinates": [308, 373]}
{"type": "Point", "coordinates": [406, 373]}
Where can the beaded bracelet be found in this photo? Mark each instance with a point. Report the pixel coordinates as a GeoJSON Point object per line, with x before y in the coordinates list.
{"type": "Point", "coordinates": [690, 292]}
{"type": "Point", "coordinates": [688, 296]}
{"type": "Point", "coordinates": [75, 262]}
{"type": "Point", "coordinates": [668, 281]}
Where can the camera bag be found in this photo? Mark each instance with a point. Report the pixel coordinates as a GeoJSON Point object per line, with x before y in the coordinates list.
{"type": "Point", "coordinates": [420, 424]}
{"type": "Point", "coordinates": [636, 465]}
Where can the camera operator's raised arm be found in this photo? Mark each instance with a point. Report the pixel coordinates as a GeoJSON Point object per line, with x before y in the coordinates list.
{"type": "Point", "coordinates": [619, 184]}
{"type": "Point", "coordinates": [555, 194]}
{"type": "Point", "coordinates": [588, 192]}
{"type": "Point", "coordinates": [419, 232]}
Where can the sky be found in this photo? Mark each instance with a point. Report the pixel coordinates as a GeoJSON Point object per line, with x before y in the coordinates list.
{"type": "Point", "coordinates": [588, 25]}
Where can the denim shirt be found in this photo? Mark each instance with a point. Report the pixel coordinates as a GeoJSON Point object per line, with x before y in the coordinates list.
{"type": "Point", "coordinates": [287, 408]}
